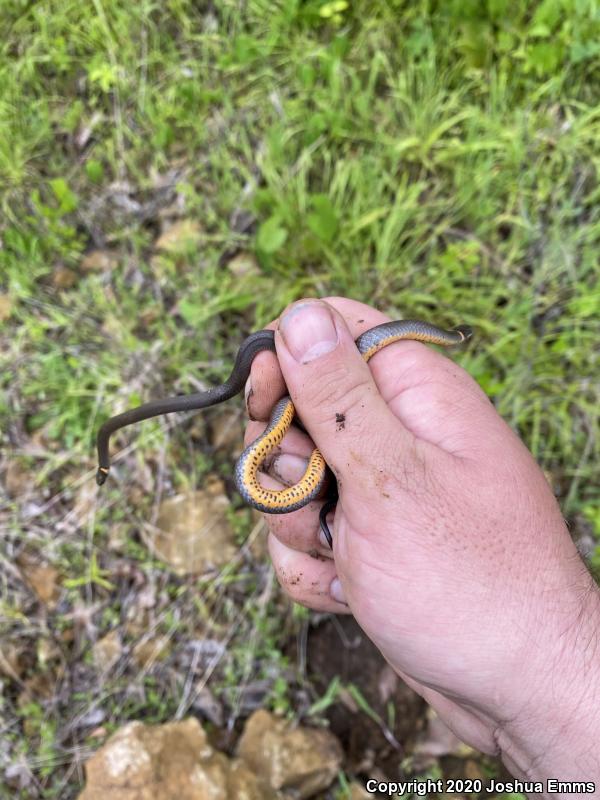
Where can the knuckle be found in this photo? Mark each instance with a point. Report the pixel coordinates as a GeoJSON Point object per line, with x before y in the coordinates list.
{"type": "Point", "coordinates": [321, 389]}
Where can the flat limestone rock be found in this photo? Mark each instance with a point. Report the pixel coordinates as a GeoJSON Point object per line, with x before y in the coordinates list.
{"type": "Point", "coordinates": [300, 760]}
{"type": "Point", "coordinates": [358, 792]}
{"type": "Point", "coordinates": [192, 533]}
{"type": "Point", "coordinates": [168, 762]}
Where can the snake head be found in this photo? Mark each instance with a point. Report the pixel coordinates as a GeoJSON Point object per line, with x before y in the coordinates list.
{"type": "Point", "coordinates": [465, 331]}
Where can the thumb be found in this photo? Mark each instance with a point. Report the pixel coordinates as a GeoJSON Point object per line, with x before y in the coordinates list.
{"type": "Point", "coordinates": [335, 395]}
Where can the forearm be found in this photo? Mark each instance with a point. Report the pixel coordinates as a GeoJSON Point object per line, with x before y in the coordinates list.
{"type": "Point", "coordinates": [558, 737]}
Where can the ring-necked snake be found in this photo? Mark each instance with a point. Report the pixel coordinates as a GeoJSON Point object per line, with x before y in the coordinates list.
{"type": "Point", "coordinates": [273, 501]}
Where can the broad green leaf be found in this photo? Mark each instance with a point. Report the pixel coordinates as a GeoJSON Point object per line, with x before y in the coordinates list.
{"type": "Point", "coordinates": [64, 195]}
{"type": "Point", "coordinates": [323, 221]}
{"type": "Point", "coordinates": [271, 235]}
{"type": "Point", "coordinates": [94, 170]}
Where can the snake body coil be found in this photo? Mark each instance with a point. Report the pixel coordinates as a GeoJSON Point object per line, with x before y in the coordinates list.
{"type": "Point", "coordinates": [246, 471]}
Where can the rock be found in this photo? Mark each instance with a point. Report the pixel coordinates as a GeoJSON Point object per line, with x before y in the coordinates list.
{"type": "Point", "coordinates": [162, 762]}
{"type": "Point", "coordinates": [107, 651]}
{"type": "Point", "coordinates": [192, 533]}
{"type": "Point", "coordinates": [358, 792]}
{"type": "Point", "coordinates": [243, 784]}
{"type": "Point", "coordinates": [295, 758]}
{"type": "Point", "coordinates": [99, 261]}
{"type": "Point", "coordinates": [181, 236]}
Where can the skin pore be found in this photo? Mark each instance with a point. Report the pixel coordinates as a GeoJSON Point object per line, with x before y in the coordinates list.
{"type": "Point", "coordinates": [449, 547]}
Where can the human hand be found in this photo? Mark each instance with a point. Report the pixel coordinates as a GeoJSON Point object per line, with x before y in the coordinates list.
{"type": "Point", "coordinates": [449, 547]}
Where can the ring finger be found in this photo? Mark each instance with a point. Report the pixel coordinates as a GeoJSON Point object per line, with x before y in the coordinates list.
{"type": "Point", "coordinates": [299, 530]}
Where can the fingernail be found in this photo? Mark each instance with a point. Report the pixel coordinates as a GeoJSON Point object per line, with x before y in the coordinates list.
{"type": "Point", "coordinates": [248, 392]}
{"type": "Point", "coordinates": [308, 330]}
{"type": "Point", "coordinates": [337, 592]}
{"type": "Point", "coordinates": [288, 469]}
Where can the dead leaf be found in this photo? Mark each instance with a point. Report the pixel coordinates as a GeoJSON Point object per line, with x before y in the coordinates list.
{"type": "Point", "coordinates": [244, 264]}
{"type": "Point", "coordinates": [17, 478]}
{"type": "Point", "coordinates": [347, 700]}
{"type": "Point", "coordinates": [107, 651]}
{"type": "Point", "coordinates": [43, 579]}
{"type": "Point", "coordinates": [192, 532]}
{"type": "Point", "coordinates": [118, 536]}
{"type": "Point", "coordinates": [181, 236]}
{"type": "Point", "coordinates": [474, 772]}
{"type": "Point", "coordinates": [84, 502]}
{"type": "Point", "coordinates": [99, 261]}
{"type": "Point", "coordinates": [11, 661]}
{"type": "Point", "coordinates": [358, 792]}
{"type": "Point", "coordinates": [47, 651]}
{"type": "Point", "coordinates": [5, 307]}
{"type": "Point", "coordinates": [64, 278]}
{"type": "Point", "coordinates": [19, 776]}
{"type": "Point", "coordinates": [98, 733]}
{"type": "Point", "coordinates": [258, 539]}
{"type": "Point", "coordinates": [387, 683]}
{"type": "Point", "coordinates": [85, 130]}
{"type": "Point", "coordinates": [150, 650]}
{"type": "Point", "coordinates": [207, 704]}
{"type": "Point", "coordinates": [41, 686]}
{"type": "Point", "coordinates": [227, 432]}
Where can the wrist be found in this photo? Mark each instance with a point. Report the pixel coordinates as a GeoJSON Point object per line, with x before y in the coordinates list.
{"type": "Point", "coordinates": [556, 732]}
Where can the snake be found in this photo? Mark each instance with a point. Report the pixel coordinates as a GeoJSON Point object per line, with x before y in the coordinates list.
{"type": "Point", "coordinates": [312, 484]}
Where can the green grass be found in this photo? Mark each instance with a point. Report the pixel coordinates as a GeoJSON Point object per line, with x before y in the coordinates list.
{"type": "Point", "coordinates": [435, 159]}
